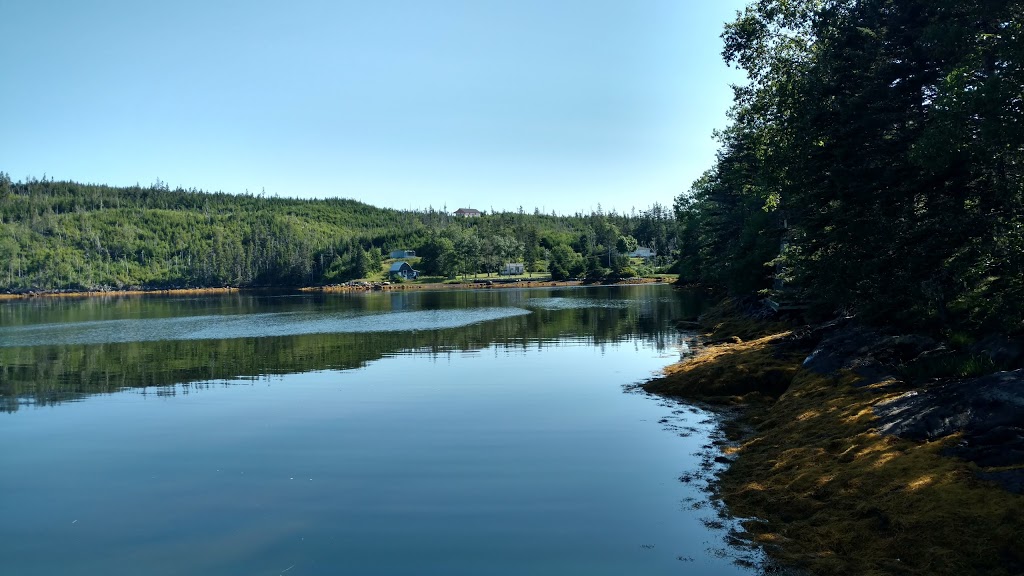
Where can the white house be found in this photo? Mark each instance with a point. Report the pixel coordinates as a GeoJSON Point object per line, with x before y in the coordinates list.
{"type": "Point", "coordinates": [642, 252]}
{"type": "Point", "coordinates": [513, 269]}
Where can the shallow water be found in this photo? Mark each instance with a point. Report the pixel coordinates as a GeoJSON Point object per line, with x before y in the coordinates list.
{"type": "Point", "coordinates": [484, 432]}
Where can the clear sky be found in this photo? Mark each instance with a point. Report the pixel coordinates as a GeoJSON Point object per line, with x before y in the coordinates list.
{"type": "Point", "coordinates": [556, 104]}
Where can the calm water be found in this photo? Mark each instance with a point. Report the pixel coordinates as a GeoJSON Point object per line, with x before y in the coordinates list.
{"type": "Point", "coordinates": [482, 432]}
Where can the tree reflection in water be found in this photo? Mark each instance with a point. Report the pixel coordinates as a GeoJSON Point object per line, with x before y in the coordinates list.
{"type": "Point", "coordinates": [46, 374]}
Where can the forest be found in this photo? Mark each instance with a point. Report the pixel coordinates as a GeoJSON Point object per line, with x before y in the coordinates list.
{"type": "Point", "coordinates": [66, 236]}
{"type": "Point", "coordinates": [872, 164]}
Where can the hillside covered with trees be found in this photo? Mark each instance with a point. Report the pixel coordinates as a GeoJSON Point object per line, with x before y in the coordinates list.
{"type": "Point", "coordinates": [873, 163]}
{"type": "Point", "coordinates": [68, 236]}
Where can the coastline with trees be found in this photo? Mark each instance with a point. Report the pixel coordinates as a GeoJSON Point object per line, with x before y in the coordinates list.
{"type": "Point", "coordinates": [60, 237]}
{"type": "Point", "coordinates": [865, 216]}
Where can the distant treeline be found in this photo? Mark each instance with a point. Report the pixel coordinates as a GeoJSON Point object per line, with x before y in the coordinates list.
{"type": "Point", "coordinates": [67, 236]}
{"type": "Point", "coordinates": [873, 164]}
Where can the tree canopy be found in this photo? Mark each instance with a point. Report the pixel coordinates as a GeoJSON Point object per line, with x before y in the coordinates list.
{"type": "Point", "coordinates": [872, 163]}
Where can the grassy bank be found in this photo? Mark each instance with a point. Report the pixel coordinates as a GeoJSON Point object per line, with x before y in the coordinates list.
{"type": "Point", "coordinates": [821, 488]}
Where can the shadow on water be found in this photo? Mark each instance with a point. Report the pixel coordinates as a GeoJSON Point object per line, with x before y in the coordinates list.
{"type": "Point", "coordinates": [55, 350]}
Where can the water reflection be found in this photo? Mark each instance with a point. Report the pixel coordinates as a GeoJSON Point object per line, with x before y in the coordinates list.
{"type": "Point", "coordinates": [499, 445]}
{"type": "Point", "coordinates": [58, 350]}
{"type": "Point", "coordinates": [258, 325]}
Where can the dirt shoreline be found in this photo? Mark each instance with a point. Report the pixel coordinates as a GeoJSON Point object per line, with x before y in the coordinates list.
{"type": "Point", "coordinates": [479, 285]}
{"type": "Point", "coordinates": [814, 479]}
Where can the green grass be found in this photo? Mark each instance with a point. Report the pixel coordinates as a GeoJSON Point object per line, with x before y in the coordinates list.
{"type": "Point", "coordinates": [953, 365]}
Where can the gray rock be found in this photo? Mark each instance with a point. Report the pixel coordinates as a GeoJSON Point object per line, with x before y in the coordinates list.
{"type": "Point", "coordinates": [1010, 480]}
{"type": "Point", "coordinates": [988, 410]}
{"type": "Point", "coordinates": [871, 354]}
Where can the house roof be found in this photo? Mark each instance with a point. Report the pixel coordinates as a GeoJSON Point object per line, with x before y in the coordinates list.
{"type": "Point", "coordinates": [397, 266]}
{"type": "Point", "coordinates": [467, 211]}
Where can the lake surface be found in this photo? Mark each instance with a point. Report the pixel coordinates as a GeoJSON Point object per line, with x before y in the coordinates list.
{"type": "Point", "coordinates": [463, 432]}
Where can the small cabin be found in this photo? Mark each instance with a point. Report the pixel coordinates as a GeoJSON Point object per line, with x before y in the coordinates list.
{"type": "Point", "coordinates": [513, 269]}
{"type": "Point", "coordinates": [403, 253]}
{"type": "Point", "coordinates": [402, 270]}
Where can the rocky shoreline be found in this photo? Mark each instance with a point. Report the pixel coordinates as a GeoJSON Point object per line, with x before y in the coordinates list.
{"type": "Point", "coordinates": [859, 450]}
{"type": "Point", "coordinates": [102, 293]}
{"type": "Point", "coordinates": [985, 411]}
{"type": "Point", "coordinates": [352, 287]}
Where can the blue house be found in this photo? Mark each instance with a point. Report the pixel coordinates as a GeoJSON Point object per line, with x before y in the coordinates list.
{"type": "Point", "coordinates": [403, 253]}
{"type": "Point", "coordinates": [402, 270]}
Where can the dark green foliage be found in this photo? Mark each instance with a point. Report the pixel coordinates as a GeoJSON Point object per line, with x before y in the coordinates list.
{"type": "Point", "coordinates": [437, 256]}
{"type": "Point", "coordinates": [626, 244]}
{"type": "Point", "coordinates": [565, 263]}
{"type": "Point", "coordinates": [352, 262]}
{"type": "Point", "coordinates": [952, 364]}
{"type": "Point", "coordinates": [873, 163]}
{"type": "Point", "coordinates": [531, 249]}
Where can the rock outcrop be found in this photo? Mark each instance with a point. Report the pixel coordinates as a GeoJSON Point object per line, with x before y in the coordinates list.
{"type": "Point", "coordinates": [874, 356]}
{"type": "Point", "coordinates": [988, 411]}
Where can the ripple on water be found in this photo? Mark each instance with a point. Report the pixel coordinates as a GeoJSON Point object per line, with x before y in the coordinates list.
{"type": "Point", "coordinates": [571, 303]}
{"type": "Point", "coordinates": [246, 326]}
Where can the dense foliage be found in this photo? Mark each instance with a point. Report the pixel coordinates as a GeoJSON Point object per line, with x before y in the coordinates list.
{"type": "Point", "coordinates": [68, 236]}
{"type": "Point", "coordinates": [873, 162]}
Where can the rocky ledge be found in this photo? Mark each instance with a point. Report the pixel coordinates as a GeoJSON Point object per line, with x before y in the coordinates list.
{"type": "Point", "coordinates": [986, 411]}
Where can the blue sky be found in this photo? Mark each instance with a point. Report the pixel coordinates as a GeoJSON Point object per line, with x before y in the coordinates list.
{"type": "Point", "coordinates": [555, 104]}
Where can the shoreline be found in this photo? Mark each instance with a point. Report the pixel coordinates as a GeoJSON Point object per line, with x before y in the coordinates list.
{"type": "Point", "coordinates": [814, 476]}
{"type": "Point", "coordinates": [481, 284]}
{"type": "Point", "coordinates": [119, 293]}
